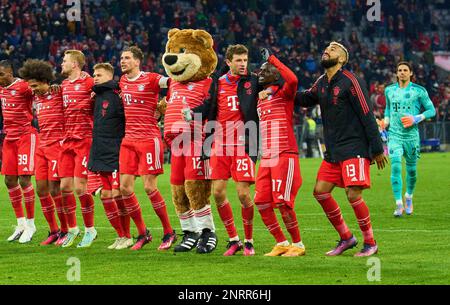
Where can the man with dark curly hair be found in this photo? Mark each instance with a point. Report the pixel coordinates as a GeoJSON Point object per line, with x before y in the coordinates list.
{"type": "Point", "coordinates": [49, 111]}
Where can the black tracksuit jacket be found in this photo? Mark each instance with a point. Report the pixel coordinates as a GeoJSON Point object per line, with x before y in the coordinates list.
{"type": "Point", "coordinates": [109, 128]}
{"type": "Point", "coordinates": [350, 128]}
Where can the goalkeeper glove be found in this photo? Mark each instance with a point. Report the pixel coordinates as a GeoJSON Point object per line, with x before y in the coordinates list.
{"type": "Point", "coordinates": [265, 54]}
{"type": "Point", "coordinates": [410, 120]}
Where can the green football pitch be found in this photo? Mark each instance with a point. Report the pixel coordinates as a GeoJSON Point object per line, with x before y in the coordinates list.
{"type": "Point", "coordinates": [412, 249]}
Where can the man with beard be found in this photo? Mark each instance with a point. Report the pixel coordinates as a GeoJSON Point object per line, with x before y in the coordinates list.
{"type": "Point", "coordinates": [352, 141]}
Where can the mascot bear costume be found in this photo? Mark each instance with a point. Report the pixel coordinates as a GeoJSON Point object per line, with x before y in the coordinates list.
{"type": "Point", "coordinates": [189, 60]}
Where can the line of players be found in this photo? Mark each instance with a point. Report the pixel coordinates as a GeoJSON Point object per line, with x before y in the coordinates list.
{"type": "Point", "coordinates": [64, 154]}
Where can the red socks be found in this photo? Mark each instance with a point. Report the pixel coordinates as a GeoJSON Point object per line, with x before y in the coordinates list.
{"type": "Point", "coordinates": [87, 209]}
{"type": "Point", "coordinates": [112, 213]}
{"type": "Point", "coordinates": [60, 212]}
{"type": "Point", "coordinates": [362, 214]}
{"type": "Point", "coordinates": [291, 223]}
{"type": "Point", "coordinates": [134, 210]}
{"type": "Point", "coordinates": [160, 209]}
{"type": "Point", "coordinates": [15, 196]}
{"type": "Point", "coordinates": [226, 214]}
{"type": "Point", "coordinates": [48, 208]}
{"type": "Point", "coordinates": [28, 194]}
{"type": "Point", "coordinates": [247, 219]}
{"type": "Point", "coordinates": [333, 212]}
{"type": "Point", "coordinates": [70, 206]}
{"type": "Point", "coordinates": [270, 220]}
{"type": "Point", "coordinates": [123, 215]}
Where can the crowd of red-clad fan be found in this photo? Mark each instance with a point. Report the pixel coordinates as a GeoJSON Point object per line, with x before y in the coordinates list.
{"type": "Point", "coordinates": [297, 30]}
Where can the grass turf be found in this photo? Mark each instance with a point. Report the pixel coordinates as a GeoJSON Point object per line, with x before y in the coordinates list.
{"type": "Point", "coordinates": [412, 249]}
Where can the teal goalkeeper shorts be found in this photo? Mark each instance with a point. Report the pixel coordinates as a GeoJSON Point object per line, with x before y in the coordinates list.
{"type": "Point", "coordinates": [410, 149]}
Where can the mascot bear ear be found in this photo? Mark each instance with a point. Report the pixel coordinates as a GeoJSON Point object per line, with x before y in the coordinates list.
{"type": "Point", "coordinates": [172, 32]}
{"type": "Point", "coordinates": [204, 37]}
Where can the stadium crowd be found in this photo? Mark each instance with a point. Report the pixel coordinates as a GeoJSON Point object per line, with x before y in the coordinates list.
{"type": "Point", "coordinates": [296, 30]}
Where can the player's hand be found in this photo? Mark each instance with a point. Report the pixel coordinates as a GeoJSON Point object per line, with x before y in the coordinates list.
{"type": "Point", "coordinates": [381, 160]}
{"type": "Point", "coordinates": [92, 95]}
{"type": "Point", "coordinates": [162, 106]}
{"type": "Point", "coordinates": [381, 124]}
{"type": "Point", "coordinates": [410, 120]}
{"type": "Point", "coordinates": [264, 94]}
{"type": "Point", "coordinates": [265, 54]}
{"type": "Point", "coordinates": [187, 114]}
{"type": "Point", "coordinates": [55, 89]}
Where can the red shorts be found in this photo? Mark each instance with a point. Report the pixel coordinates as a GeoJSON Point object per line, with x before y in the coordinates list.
{"type": "Point", "coordinates": [74, 158]}
{"type": "Point", "coordinates": [351, 172]}
{"type": "Point", "coordinates": [110, 180]}
{"type": "Point", "coordinates": [186, 165]}
{"type": "Point", "coordinates": [141, 157]}
{"type": "Point", "coordinates": [278, 182]}
{"type": "Point", "coordinates": [226, 165]}
{"type": "Point", "coordinates": [18, 155]}
{"type": "Point", "coordinates": [47, 159]}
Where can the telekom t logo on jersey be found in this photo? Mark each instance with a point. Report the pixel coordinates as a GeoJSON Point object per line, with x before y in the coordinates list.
{"type": "Point", "coordinates": [129, 99]}
{"type": "Point", "coordinates": [233, 102]}
{"type": "Point", "coordinates": [67, 100]}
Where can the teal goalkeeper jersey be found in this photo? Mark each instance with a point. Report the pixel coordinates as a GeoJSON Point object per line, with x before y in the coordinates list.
{"type": "Point", "coordinates": [402, 102]}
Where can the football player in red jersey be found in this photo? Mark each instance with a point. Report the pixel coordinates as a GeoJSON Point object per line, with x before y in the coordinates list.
{"type": "Point", "coordinates": [232, 104]}
{"type": "Point", "coordinates": [78, 109]}
{"type": "Point", "coordinates": [18, 149]}
{"type": "Point", "coordinates": [141, 151]}
{"type": "Point", "coordinates": [279, 178]}
{"type": "Point", "coordinates": [49, 111]}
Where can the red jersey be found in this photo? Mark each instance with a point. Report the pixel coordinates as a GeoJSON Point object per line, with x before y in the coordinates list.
{"type": "Point", "coordinates": [180, 96]}
{"type": "Point", "coordinates": [17, 101]}
{"type": "Point", "coordinates": [276, 115]}
{"type": "Point", "coordinates": [50, 115]}
{"type": "Point", "coordinates": [78, 107]}
{"type": "Point", "coordinates": [140, 98]}
{"type": "Point", "coordinates": [229, 114]}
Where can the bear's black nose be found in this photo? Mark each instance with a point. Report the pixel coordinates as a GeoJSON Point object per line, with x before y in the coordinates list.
{"type": "Point", "coordinates": [170, 59]}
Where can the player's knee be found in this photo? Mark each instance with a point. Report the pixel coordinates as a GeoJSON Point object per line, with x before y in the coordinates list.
{"type": "Point", "coordinates": [11, 181]}
{"type": "Point", "coordinates": [245, 199]}
{"type": "Point", "coordinates": [150, 188]}
{"type": "Point", "coordinates": [42, 190]}
{"type": "Point", "coordinates": [24, 182]}
{"type": "Point", "coordinates": [219, 195]}
{"type": "Point", "coordinates": [396, 166]}
{"type": "Point", "coordinates": [126, 190]}
{"type": "Point", "coordinates": [105, 194]}
{"type": "Point", "coordinates": [80, 189]}
{"type": "Point", "coordinates": [353, 194]}
{"type": "Point", "coordinates": [411, 169]}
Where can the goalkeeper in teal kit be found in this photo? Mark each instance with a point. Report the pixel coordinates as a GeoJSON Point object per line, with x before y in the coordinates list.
{"type": "Point", "coordinates": [404, 103]}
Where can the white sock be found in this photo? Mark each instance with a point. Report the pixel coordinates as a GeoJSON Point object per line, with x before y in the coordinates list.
{"type": "Point", "coordinates": [299, 244]}
{"type": "Point", "coordinates": [74, 230]}
{"type": "Point", "coordinates": [399, 203]}
{"type": "Point", "coordinates": [283, 243]}
{"type": "Point", "coordinates": [236, 238]}
{"type": "Point", "coordinates": [204, 218]}
{"type": "Point", "coordinates": [408, 196]}
{"type": "Point", "coordinates": [187, 221]}
{"type": "Point", "coordinates": [30, 222]}
{"type": "Point", "coordinates": [90, 229]}
{"type": "Point", "coordinates": [21, 221]}
{"type": "Point", "coordinates": [248, 241]}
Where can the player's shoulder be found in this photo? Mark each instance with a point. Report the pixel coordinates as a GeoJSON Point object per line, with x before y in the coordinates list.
{"type": "Point", "coordinates": [390, 87]}
{"type": "Point", "coordinates": [86, 77]}
{"type": "Point", "coordinates": [418, 87]}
